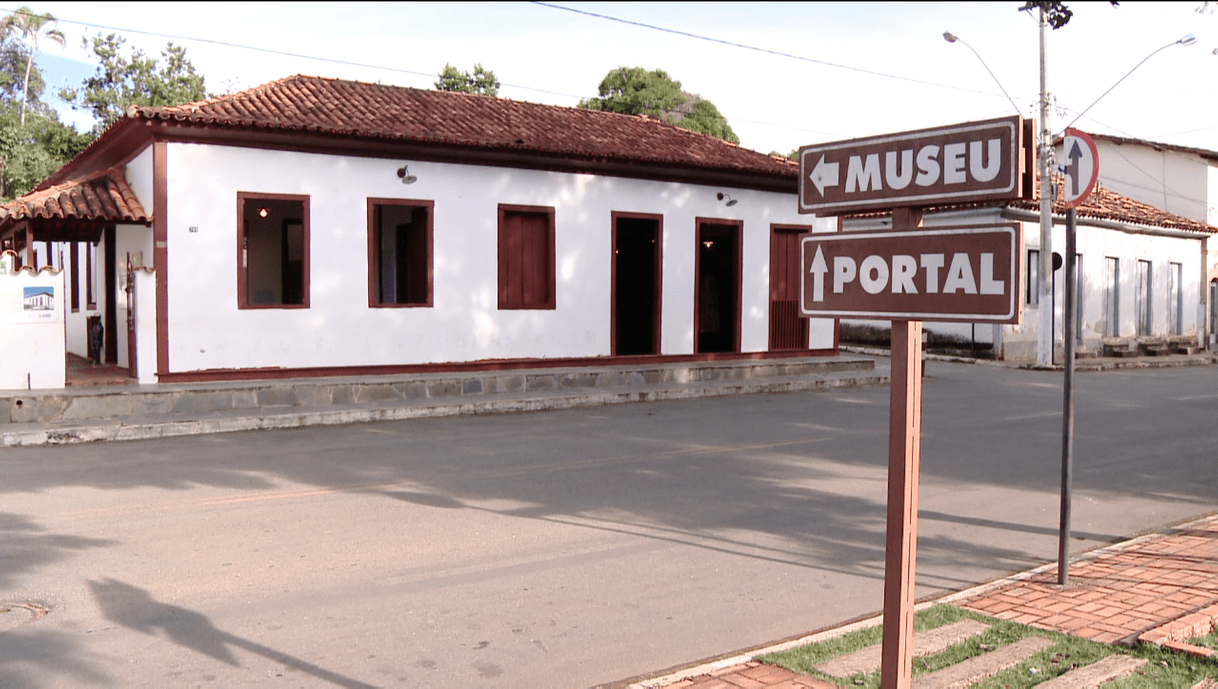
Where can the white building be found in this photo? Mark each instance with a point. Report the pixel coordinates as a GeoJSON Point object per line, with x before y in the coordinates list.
{"type": "Point", "coordinates": [1179, 179]}
{"type": "Point", "coordinates": [1142, 275]}
{"type": "Point", "coordinates": [320, 227]}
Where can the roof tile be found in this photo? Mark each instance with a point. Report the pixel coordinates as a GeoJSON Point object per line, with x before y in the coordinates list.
{"type": "Point", "coordinates": [357, 109]}
{"type": "Point", "coordinates": [104, 196]}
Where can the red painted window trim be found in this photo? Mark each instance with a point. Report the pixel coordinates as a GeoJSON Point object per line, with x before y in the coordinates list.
{"type": "Point", "coordinates": [512, 263]}
{"type": "Point", "coordinates": [242, 197]}
{"type": "Point", "coordinates": [430, 251]}
{"type": "Point", "coordinates": [90, 256]}
{"type": "Point", "coordinates": [74, 277]}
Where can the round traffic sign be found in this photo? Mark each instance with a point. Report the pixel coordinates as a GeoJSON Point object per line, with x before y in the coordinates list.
{"type": "Point", "coordinates": [1082, 167]}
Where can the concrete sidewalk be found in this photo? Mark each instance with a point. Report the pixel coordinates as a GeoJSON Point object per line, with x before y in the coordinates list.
{"type": "Point", "coordinates": [1160, 589]}
{"type": "Point", "coordinates": [134, 412]}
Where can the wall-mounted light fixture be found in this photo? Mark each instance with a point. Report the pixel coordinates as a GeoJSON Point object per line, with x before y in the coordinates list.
{"type": "Point", "coordinates": [406, 177]}
{"type": "Point", "coordinates": [730, 201]}
{"type": "Point", "coordinates": [263, 212]}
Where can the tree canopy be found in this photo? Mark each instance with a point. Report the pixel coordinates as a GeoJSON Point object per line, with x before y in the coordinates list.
{"type": "Point", "coordinates": [482, 81]}
{"type": "Point", "coordinates": [638, 91]}
{"type": "Point", "coordinates": [125, 79]}
{"type": "Point", "coordinates": [31, 27]}
{"type": "Point", "coordinates": [33, 142]}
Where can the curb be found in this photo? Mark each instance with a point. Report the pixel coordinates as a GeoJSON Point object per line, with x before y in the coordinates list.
{"type": "Point", "coordinates": [119, 431]}
{"type": "Point", "coordinates": [1175, 640]}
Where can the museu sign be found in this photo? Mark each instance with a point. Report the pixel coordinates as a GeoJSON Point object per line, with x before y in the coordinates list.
{"type": "Point", "coordinates": [974, 161]}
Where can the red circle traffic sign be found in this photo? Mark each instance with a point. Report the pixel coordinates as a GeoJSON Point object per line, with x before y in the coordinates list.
{"type": "Point", "coordinates": [1082, 167]}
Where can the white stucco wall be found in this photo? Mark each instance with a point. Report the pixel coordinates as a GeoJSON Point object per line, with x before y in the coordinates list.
{"type": "Point", "coordinates": [145, 326]}
{"type": "Point", "coordinates": [140, 177]}
{"type": "Point", "coordinates": [208, 331]}
{"type": "Point", "coordinates": [1174, 181]}
{"type": "Point", "coordinates": [1095, 244]}
{"type": "Point", "coordinates": [134, 242]}
{"type": "Point", "coordinates": [1211, 210]}
{"type": "Point", "coordinates": [1018, 342]}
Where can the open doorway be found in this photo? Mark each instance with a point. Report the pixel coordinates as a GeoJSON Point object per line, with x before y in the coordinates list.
{"type": "Point", "coordinates": [636, 284]}
{"type": "Point", "coordinates": [717, 287]}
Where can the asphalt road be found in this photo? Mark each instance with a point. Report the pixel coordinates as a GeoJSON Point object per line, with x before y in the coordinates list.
{"type": "Point", "coordinates": [559, 549]}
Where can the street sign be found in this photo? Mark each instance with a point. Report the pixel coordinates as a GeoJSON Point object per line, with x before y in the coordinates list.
{"type": "Point", "coordinates": [959, 274]}
{"type": "Point", "coordinates": [1082, 166]}
{"type": "Point", "coordinates": [974, 161]}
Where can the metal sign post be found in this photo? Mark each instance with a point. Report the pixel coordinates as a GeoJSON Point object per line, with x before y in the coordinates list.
{"type": "Point", "coordinates": [1081, 174]}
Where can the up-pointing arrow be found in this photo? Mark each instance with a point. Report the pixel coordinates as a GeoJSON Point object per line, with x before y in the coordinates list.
{"type": "Point", "coordinates": [824, 175]}
{"type": "Point", "coordinates": [818, 269]}
{"type": "Point", "coordinates": [1072, 171]}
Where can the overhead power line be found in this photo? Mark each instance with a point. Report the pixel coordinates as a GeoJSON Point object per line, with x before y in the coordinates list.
{"type": "Point", "coordinates": [767, 51]}
{"type": "Point", "coordinates": [270, 51]}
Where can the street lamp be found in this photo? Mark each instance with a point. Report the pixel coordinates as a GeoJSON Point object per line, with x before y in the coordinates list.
{"type": "Point", "coordinates": [1188, 39]}
{"type": "Point", "coordinates": [953, 38]}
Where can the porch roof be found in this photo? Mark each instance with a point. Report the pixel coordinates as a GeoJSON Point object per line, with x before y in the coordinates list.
{"type": "Point", "coordinates": [75, 210]}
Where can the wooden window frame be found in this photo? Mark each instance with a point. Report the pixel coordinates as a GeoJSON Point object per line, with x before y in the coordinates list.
{"type": "Point", "coordinates": [90, 276]}
{"type": "Point", "coordinates": [74, 277]}
{"type": "Point", "coordinates": [429, 234]}
{"type": "Point", "coordinates": [549, 300]}
{"type": "Point", "coordinates": [242, 198]}
{"type": "Point", "coordinates": [1031, 286]}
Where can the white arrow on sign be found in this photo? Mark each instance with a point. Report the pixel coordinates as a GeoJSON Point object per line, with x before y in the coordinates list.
{"type": "Point", "coordinates": [818, 269]}
{"type": "Point", "coordinates": [1083, 166]}
{"type": "Point", "coordinates": [824, 175]}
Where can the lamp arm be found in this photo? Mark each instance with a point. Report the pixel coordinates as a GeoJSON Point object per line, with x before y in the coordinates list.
{"type": "Point", "coordinates": [1118, 83]}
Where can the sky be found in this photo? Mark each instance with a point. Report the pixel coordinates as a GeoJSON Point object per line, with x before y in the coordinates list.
{"type": "Point", "coordinates": [784, 75]}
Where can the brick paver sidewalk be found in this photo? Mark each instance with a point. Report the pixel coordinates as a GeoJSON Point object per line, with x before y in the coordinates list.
{"type": "Point", "coordinates": [1117, 593]}
{"type": "Point", "coordinates": [1159, 587]}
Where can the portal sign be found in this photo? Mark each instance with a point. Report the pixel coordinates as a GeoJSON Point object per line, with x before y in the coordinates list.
{"type": "Point", "coordinates": [976, 161]}
{"type": "Point", "coordinates": [966, 274]}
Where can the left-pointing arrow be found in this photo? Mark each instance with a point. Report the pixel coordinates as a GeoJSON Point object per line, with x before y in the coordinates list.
{"type": "Point", "coordinates": [824, 175]}
{"type": "Point", "coordinates": [818, 269]}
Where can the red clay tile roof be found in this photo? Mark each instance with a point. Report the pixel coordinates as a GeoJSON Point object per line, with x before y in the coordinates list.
{"type": "Point", "coordinates": [1104, 204]}
{"type": "Point", "coordinates": [362, 110]}
{"type": "Point", "coordinates": [103, 196]}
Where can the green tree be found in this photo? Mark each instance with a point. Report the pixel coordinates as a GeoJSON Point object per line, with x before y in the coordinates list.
{"type": "Point", "coordinates": [33, 149]}
{"type": "Point", "coordinates": [30, 152]}
{"type": "Point", "coordinates": [706, 118]}
{"type": "Point", "coordinates": [31, 27]}
{"type": "Point", "coordinates": [638, 91]}
{"type": "Point", "coordinates": [482, 81]}
{"type": "Point", "coordinates": [124, 80]}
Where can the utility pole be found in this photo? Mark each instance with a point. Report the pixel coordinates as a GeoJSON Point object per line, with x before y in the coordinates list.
{"type": "Point", "coordinates": [1044, 154]}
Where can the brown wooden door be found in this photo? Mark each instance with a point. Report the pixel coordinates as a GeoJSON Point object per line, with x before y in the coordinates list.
{"type": "Point", "coordinates": [787, 329]}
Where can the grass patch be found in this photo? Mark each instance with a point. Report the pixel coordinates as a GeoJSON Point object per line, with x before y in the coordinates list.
{"type": "Point", "coordinates": [1163, 669]}
{"type": "Point", "coordinates": [1208, 641]}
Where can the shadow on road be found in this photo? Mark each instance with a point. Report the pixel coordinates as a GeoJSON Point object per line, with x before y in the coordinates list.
{"type": "Point", "coordinates": [133, 608]}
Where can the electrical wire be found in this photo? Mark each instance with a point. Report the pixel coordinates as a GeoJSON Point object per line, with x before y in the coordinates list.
{"type": "Point", "coordinates": [759, 50]}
